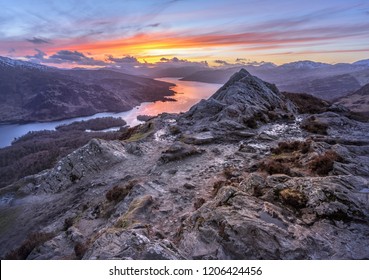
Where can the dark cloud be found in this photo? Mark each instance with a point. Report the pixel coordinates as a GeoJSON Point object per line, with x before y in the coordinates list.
{"type": "Point", "coordinates": [173, 60]}
{"type": "Point", "coordinates": [222, 62]}
{"type": "Point", "coordinates": [68, 56]}
{"type": "Point", "coordinates": [11, 50]}
{"type": "Point", "coordinates": [125, 59]}
{"type": "Point", "coordinates": [38, 41]}
{"type": "Point", "coordinates": [75, 57]}
{"type": "Point", "coordinates": [153, 25]}
{"type": "Point", "coordinates": [40, 54]}
{"type": "Point", "coordinates": [39, 57]}
{"type": "Point", "coordinates": [65, 56]}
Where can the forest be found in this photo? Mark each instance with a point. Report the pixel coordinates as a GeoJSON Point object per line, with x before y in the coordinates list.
{"type": "Point", "coordinates": [37, 151]}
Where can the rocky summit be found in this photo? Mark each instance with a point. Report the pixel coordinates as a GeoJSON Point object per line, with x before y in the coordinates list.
{"type": "Point", "coordinates": [246, 174]}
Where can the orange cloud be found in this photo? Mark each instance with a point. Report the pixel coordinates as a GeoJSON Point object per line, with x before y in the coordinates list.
{"type": "Point", "coordinates": [143, 45]}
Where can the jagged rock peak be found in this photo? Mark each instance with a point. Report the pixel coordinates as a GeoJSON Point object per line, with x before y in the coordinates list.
{"type": "Point", "coordinates": [244, 83]}
{"type": "Point", "coordinates": [244, 102]}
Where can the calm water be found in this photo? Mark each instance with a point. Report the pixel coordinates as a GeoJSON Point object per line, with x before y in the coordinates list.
{"type": "Point", "coordinates": [187, 94]}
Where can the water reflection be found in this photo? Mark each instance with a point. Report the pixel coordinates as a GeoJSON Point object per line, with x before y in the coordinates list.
{"type": "Point", "coordinates": [187, 94]}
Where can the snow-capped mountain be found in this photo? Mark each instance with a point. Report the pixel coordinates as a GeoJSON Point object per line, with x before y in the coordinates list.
{"type": "Point", "coordinates": [304, 64]}
{"type": "Point", "coordinates": [8, 62]}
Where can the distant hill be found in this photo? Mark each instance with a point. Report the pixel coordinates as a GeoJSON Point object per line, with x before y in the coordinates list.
{"type": "Point", "coordinates": [216, 76]}
{"type": "Point", "coordinates": [322, 80]}
{"type": "Point", "coordinates": [357, 101]}
{"type": "Point", "coordinates": [32, 92]}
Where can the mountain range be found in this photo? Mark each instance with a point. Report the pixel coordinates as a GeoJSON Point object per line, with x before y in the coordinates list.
{"type": "Point", "coordinates": [322, 80]}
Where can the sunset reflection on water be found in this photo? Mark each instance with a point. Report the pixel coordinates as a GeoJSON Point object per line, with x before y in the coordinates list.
{"type": "Point", "coordinates": [187, 94]}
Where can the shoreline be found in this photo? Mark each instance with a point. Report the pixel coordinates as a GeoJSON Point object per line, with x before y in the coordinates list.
{"type": "Point", "coordinates": [166, 98]}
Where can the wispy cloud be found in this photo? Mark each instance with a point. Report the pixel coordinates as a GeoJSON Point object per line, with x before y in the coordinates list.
{"type": "Point", "coordinates": [38, 41]}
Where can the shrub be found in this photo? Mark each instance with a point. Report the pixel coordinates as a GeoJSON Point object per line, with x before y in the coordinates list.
{"type": "Point", "coordinates": [117, 193]}
{"type": "Point", "coordinates": [230, 172]}
{"type": "Point", "coordinates": [275, 167]}
{"type": "Point", "coordinates": [174, 129]}
{"type": "Point", "coordinates": [314, 126]}
{"type": "Point", "coordinates": [323, 164]}
{"type": "Point", "coordinates": [199, 202]}
{"type": "Point", "coordinates": [138, 132]}
{"type": "Point", "coordinates": [293, 198]}
{"type": "Point", "coordinates": [288, 147]}
{"type": "Point", "coordinates": [217, 186]}
{"type": "Point", "coordinates": [33, 240]}
{"type": "Point", "coordinates": [80, 249]}
{"type": "Point", "coordinates": [251, 123]}
{"type": "Point", "coordinates": [68, 222]}
{"type": "Point", "coordinates": [144, 118]}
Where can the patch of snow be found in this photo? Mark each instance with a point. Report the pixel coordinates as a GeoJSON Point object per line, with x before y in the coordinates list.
{"type": "Point", "coordinates": [6, 199]}
{"type": "Point", "coordinates": [159, 135]}
{"type": "Point", "coordinates": [5, 61]}
{"type": "Point", "coordinates": [258, 146]}
{"type": "Point", "coordinates": [104, 130]}
{"type": "Point", "coordinates": [276, 129]}
{"type": "Point", "coordinates": [305, 64]}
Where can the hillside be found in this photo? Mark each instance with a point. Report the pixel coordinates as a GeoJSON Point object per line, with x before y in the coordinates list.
{"type": "Point", "coordinates": [245, 174]}
{"type": "Point", "coordinates": [30, 92]}
{"type": "Point", "coordinates": [357, 101]}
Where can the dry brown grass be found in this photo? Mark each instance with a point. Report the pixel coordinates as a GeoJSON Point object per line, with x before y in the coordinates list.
{"type": "Point", "coordinates": [293, 198]}
{"type": "Point", "coordinates": [273, 166]}
{"type": "Point", "coordinates": [323, 164]}
{"type": "Point", "coordinates": [80, 250]}
{"type": "Point", "coordinates": [289, 147]}
{"type": "Point", "coordinates": [314, 126]}
{"type": "Point", "coordinates": [117, 193]}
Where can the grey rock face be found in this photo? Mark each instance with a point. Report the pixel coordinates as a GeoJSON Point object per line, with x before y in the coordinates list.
{"type": "Point", "coordinates": [131, 244]}
{"type": "Point", "coordinates": [240, 225]}
{"type": "Point", "coordinates": [94, 157]}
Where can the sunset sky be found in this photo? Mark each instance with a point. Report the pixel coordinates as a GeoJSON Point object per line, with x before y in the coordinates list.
{"type": "Point", "coordinates": [93, 33]}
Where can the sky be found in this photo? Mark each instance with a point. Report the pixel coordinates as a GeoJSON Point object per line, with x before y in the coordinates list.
{"type": "Point", "coordinates": [217, 32]}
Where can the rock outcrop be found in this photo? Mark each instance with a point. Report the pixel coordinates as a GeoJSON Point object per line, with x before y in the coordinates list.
{"type": "Point", "coordinates": [243, 103]}
{"type": "Point", "coordinates": [242, 175]}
